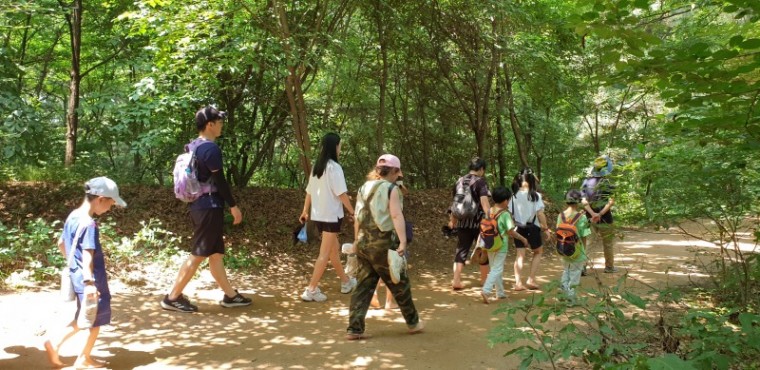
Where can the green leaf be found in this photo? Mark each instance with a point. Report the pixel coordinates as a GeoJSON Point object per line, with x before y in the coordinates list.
{"type": "Point", "coordinates": [750, 44]}
{"type": "Point", "coordinates": [669, 362]}
{"type": "Point", "coordinates": [736, 40]}
{"type": "Point", "coordinates": [635, 300]}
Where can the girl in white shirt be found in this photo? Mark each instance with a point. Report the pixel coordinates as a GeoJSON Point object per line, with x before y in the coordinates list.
{"type": "Point", "coordinates": [326, 195]}
{"type": "Point", "coordinates": [527, 210]}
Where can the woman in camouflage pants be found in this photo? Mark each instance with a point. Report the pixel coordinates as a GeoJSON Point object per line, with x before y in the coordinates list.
{"type": "Point", "coordinates": [379, 227]}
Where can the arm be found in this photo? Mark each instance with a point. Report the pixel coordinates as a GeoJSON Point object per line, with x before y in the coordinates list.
{"type": "Point", "coordinates": [607, 206]}
{"type": "Point", "coordinates": [515, 235]}
{"type": "Point", "coordinates": [224, 190]}
{"type": "Point", "coordinates": [306, 208]}
{"type": "Point", "coordinates": [347, 203]}
{"type": "Point", "coordinates": [587, 207]}
{"type": "Point", "coordinates": [62, 247]}
{"type": "Point", "coordinates": [398, 220]}
{"type": "Point", "coordinates": [544, 224]}
{"type": "Point", "coordinates": [87, 273]}
{"type": "Point", "coordinates": [486, 206]}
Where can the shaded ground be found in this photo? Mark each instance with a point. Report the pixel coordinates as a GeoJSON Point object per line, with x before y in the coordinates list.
{"type": "Point", "coordinates": [279, 331]}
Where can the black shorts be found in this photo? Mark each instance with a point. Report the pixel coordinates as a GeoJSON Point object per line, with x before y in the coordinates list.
{"type": "Point", "coordinates": [208, 226]}
{"type": "Point", "coordinates": [328, 227]}
{"type": "Point", "coordinates": [532, 233]}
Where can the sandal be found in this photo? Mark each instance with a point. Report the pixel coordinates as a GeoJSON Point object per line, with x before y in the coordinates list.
{"type": "Point", "coordinates": [532, 286]}
{"type": "Point", "coordinates": [519, 288]}
{"type": "Point", "coordinates": [457, 287]}
{"type": "Point", "coordinates": [484, 297]}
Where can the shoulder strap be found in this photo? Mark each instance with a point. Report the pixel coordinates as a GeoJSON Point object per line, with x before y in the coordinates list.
{"type": "Point", "coordinates": [368, 199]}
{"type": "Point", "coordinates": [78, 234]}
{"type": "Point", "coordinates": [562, 217]}
{"type": "Point", "coordinates": [576, 218]}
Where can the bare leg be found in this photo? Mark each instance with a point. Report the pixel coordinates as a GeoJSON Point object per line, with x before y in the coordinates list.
{"type": "Point", "coordinates": [186, 272]}
{"type": "Point", "coordinates": [216, 266]}
{"type": "Point", "coordinates": [518, 267]}
{"type": "Point", "coordinates": [332, 239]}
{"type": "Point", "coordinates": [534, 263]}
{"type": "Point", "coordinates": [390, 303]}
{"type": "Point", "coordinates": [325, 249]}
{"type": "Point", "coordinates": [53, 345]}
{"type": "Point", "coordinates": [457, 283]}
{"type": "Point", "coordinates": [85, 359]}
{"type": "Point", "coordinates": [484, 269]}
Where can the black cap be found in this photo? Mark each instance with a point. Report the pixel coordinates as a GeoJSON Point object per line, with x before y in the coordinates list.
{"type": "Point", "coordinates": [208, 114]}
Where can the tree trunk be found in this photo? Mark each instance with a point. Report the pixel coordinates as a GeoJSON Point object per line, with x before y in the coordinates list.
{"type": "Point", "coordinates": [72, 115]}
{"type": "Point", "coordinates": [295, 95]}
{"type": "Point", "coordinates": [381, 38]}
{"type": "Point", "coordinates": [501, 158]}
{"type": "Point", "coordinates": [522, 150]}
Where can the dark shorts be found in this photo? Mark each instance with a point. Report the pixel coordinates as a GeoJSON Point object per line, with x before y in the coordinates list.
{"type": "Point", "coordinates": [465, 238]}
{"type": "Point", "coordinates": [104, 310]}
{"type": "Point", "coordinates": [532, 233]}
{"type": "Point", "coordinates": [328, 227]}
{"type": "Point", "coordinates": [208, 225]}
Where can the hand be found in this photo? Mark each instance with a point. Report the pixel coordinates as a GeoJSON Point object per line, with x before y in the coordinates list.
{"type": "Point", "coordinates": [90, 291]}
{"type": "Point", "coordinates": [596, 218]}
{"type": "Point", "coordinates": [237, 217]}
{"type": "Point", "coordinates": [452, 224]}
{"type": "Point", "coordinates": [548, 233]}
{"type": "Point", "coordinates": [304, 217]}
{"type": "Point", "coordinates": [401, 249]}
{"type": "Point", "coordinates": [611, 202]}
{"type": "Point", "coordinates": [351, 217]}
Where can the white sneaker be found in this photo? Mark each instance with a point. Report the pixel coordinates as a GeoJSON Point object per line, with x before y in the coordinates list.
{"type": "Point", "coordinates": [396, 265]}
{"type": "Point", "coordinates": [348, 287]}
{"type": "Point", "coordinates": [313, 295]}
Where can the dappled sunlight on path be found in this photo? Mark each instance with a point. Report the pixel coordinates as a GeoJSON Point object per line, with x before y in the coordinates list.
{"type": "Point", "coordinates": [280, 331]}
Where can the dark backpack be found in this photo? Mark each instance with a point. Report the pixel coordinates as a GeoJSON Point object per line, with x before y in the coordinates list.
{"type": "Point", "coordinates": [567, 236]}
{"type": "Point", "coordinates": [489, 231]}
{"type": "Point", "coordinates": [464, 205]}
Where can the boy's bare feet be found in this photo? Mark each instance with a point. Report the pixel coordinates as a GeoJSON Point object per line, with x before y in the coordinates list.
{"type": "Point", "coordinates": [375, 303]}
{"type": "Point", "coordinates": [391, 305]}
{"type": "Point", "coordinates": [52, 355]}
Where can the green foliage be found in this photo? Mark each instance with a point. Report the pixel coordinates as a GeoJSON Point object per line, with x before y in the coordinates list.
{"type": "Point", "coordinates": [240, 259]}
{"type": "Point", "coordinates": [617, 328]}
{"type": "Point", "coordinates": [34, 248]}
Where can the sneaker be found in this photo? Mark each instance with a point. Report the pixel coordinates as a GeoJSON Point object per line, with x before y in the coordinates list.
{"type": "Point", "coordinates": [313, 295]}
{"type": "Point", "coordinates": [236, 301]}
{"type": "Point", "coordinates": [349, 286]}
{"type": "Point", "coordinates": [610, 270]}
{"type": "Point", "coordinates": [396, 265]}
{"type": "Point", "coordinates": [181, 304]}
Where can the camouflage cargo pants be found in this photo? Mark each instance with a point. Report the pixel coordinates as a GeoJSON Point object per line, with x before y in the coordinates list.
{"type": "Point", "coordinates": [372, 254]}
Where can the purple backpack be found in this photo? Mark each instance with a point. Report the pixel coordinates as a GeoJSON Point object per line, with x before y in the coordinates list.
{"type": "Point", "coordinates": [187, 188]}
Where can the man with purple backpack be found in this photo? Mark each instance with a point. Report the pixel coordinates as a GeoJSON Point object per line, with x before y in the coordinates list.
{"type": "Point", "coordinates": [207, 214]}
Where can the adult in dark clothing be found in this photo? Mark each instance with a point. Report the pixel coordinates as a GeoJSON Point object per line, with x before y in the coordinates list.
{"type": "Point", "coordinates": [468, 229]}
{"type": "Point", "coordinates": [597, 201]}
{"type": "Point", "coordinates": [207, 214]}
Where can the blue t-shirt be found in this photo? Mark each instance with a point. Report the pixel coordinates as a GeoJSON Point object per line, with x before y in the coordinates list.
{"type": "Point", "coordinates": [209, 157]}
{"type": "Point", "coordinates": [89, 239]}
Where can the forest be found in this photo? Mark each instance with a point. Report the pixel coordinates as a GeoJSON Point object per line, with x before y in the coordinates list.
{"type": "Point", "coordinates": [668, 89]}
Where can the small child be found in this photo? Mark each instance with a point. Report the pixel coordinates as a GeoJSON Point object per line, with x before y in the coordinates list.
{"type": "Point", "coordinates": [498, 253]}
{"type": "Point", "coordinates": [571, 275]}
{"type": "Point", "coordinates": [87, 269]}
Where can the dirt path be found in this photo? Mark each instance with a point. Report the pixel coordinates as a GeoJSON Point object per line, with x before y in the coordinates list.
{"type": "Point", "coordinates": [279, 331]}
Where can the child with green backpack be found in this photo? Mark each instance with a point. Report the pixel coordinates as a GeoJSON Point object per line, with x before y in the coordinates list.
{"type": "Point", "coordinates": [571, 233]}
{"type": "Point", "coordinates": [495, 242]}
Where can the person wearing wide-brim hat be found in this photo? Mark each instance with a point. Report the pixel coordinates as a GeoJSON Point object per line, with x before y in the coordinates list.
{"type": "Point", "coordinates": [598, 200]}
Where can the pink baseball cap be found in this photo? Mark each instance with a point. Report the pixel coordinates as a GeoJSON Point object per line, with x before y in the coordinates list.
{"type": "Point", "coordinates": [389, 160]}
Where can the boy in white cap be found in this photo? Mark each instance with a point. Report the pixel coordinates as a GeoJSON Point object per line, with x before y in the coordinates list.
{"type": "Point", "coordinates": [80, 245]}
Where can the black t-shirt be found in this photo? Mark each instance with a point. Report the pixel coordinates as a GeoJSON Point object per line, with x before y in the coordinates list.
{"type": "Point", "coordinates": [209, 160]}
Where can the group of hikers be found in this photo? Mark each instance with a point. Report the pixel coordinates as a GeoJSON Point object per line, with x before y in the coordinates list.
{"type": "Point", "coordinates": [381, 235]}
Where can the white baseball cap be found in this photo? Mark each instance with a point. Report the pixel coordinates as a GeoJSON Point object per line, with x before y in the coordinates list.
{"type": "Point", "coordinates": [104, 187]}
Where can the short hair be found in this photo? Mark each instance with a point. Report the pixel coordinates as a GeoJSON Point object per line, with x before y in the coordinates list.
{"type": "Point", "coordinates": [206, 115]}
{"type": "Point", "coordinates": [477, 163]}
{"type": "Point", "coordinates": [500, 194]}
{"type": "Point", "coordinates": [573, 196]}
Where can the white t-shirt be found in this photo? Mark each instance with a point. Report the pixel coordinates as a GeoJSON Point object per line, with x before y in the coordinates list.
{"type": "Point", "coordinates": [324, 191]}
{"type": "Point", "coordinates": [523, 209]}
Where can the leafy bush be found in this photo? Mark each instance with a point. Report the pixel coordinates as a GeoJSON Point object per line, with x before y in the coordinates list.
{"type": "Point", "coordinates": [33, 247]}
{"type": "Point", "coordinates": [598, 331]}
